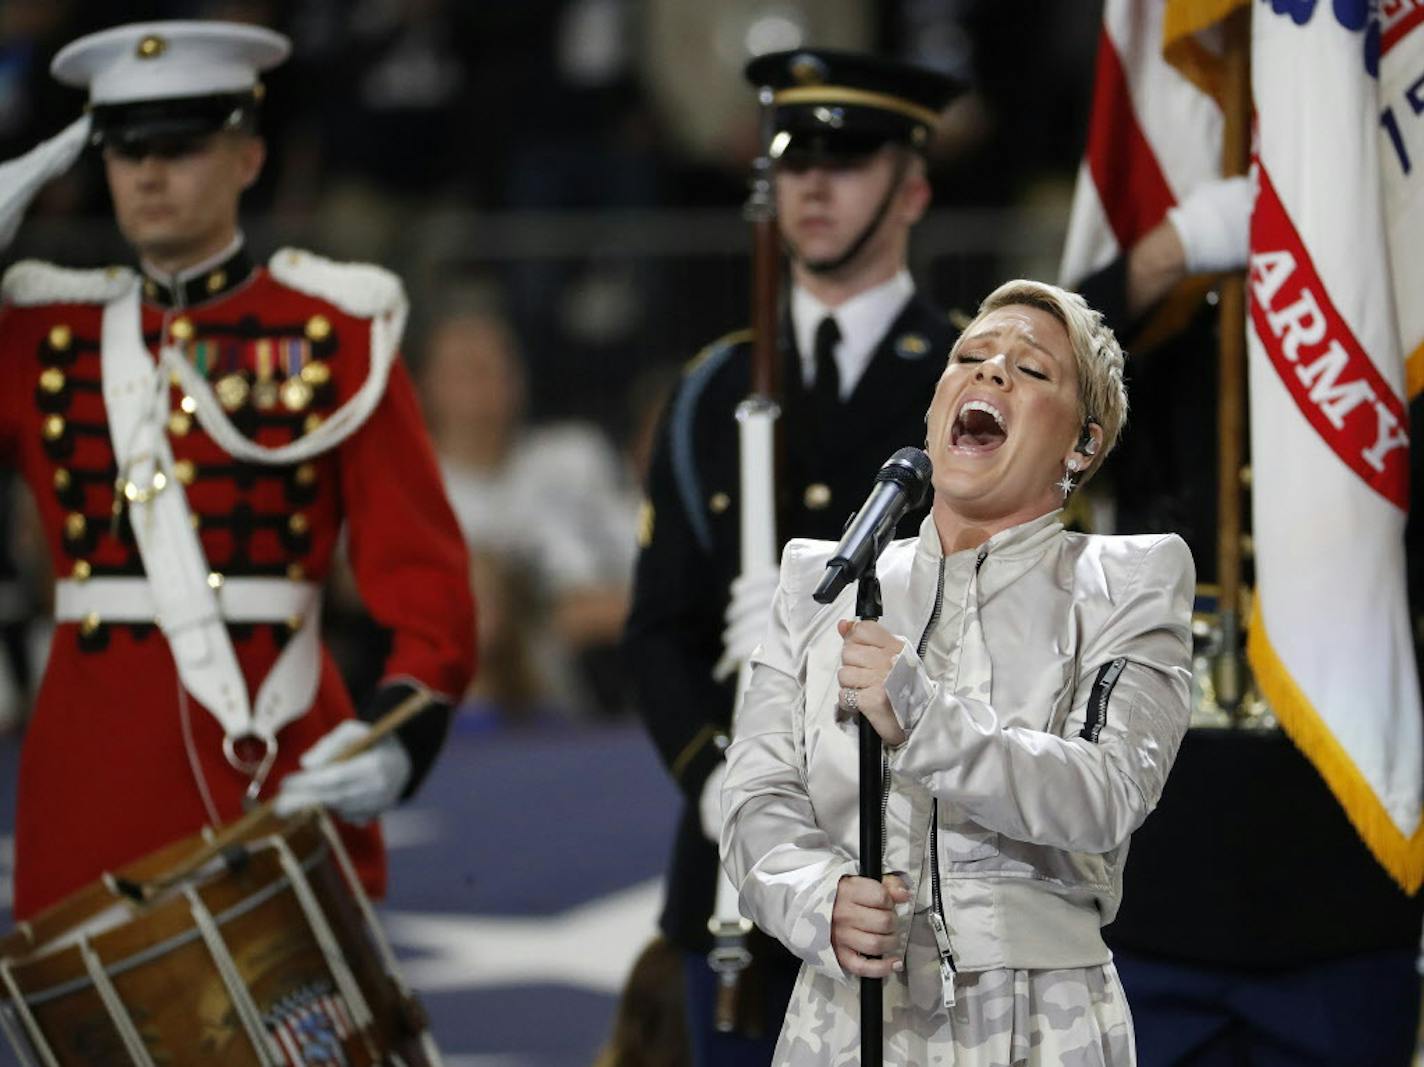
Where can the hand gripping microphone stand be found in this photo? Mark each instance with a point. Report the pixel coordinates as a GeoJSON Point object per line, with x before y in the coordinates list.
{"type": "Point", "coordinates": [901, 486]}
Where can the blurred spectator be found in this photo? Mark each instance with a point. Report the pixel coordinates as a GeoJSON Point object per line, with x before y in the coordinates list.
{"type": "Point", "coordinates": [519, 673]}
{"type": "Point", "coordinates": [396, 114]}
{"type": "Point", "coordinates": [650, 1029]}
{"type": "Point", "coordinates": [552, 500]}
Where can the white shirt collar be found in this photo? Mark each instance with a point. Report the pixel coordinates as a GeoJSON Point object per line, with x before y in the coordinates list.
{"type": "Point", "coordinates": [188, 273]}
{"type": "Point", "coordinates": [864, 320]}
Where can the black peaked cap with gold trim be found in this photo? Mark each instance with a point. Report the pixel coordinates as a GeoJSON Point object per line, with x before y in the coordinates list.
{"type": "Point", "coordinates": [830, 103]}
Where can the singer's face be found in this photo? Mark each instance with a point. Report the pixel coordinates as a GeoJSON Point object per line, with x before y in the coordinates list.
{"type": "Point", "coordinates": [1005, 418]}
{"type": "Point", "coordinates": [823, 207]}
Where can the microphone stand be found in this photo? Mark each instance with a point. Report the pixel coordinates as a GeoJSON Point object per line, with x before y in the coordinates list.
{"type": "Point", "coordinates": [872, 832]}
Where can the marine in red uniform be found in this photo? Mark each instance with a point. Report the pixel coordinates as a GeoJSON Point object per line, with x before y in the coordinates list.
{"type": "Point", "coordinates": [262, 408]}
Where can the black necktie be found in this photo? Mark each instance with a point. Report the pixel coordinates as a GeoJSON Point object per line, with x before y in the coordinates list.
{"type": "Point", "coordinates": [827, 388]}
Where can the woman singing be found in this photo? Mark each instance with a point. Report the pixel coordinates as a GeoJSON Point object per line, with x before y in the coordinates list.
{"type": "Point", "coordinates": [1031, 688]}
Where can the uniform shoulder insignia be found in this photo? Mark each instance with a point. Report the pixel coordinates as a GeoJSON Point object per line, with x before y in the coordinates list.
{"type": "Point", "coordinates": [722, 345]}
{"type": "Point", "coordinates": [361, 289]}
{"type": "Point", "coordinates": [32, 281]}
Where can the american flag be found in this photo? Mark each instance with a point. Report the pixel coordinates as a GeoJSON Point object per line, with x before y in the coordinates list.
{"type": "Point", "coordinates": [311, 1024]}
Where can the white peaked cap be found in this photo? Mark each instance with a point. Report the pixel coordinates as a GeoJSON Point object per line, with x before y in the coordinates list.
{"type": "Point", "coordinates": [169, 60]}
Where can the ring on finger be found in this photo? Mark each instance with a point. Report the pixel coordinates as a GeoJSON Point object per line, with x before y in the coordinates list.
{"type": "Point", "coordinates": [850, 699]}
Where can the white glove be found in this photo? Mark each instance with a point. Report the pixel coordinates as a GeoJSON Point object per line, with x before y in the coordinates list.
{"type": "Point", "coordinates": [709, 805]}
{"type": "Point", "coordinates": [1213, 223]}
{"type": "Point", "coordinates": [746, 616]}
{"type": "Point", "coordinates": [357, 789]}
{"type": "Point", "coordinates": [21, 178]}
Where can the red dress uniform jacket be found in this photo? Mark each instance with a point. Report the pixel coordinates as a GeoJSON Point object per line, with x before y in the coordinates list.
{"type": "Point", "coordinates": [107, 773]}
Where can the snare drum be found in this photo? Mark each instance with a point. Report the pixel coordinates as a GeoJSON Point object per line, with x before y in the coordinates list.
{"type": "Point", "coordinates": [266, 954]}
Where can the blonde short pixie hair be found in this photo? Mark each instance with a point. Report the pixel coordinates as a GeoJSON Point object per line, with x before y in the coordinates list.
{"type": "Point", "coordinates": [1102, 396]}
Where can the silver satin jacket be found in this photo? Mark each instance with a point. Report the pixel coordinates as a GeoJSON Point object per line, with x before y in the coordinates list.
{"type": "Point", "coordinates": [1035, 778]}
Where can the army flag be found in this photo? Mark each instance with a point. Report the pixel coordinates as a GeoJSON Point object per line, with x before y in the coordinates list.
{"type": "Point", "coordinates": [1329, 640]}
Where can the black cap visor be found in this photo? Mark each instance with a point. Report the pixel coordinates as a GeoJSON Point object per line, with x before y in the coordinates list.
{"type": "Point", "coordinates": [829, 134]}
{"type": "Point", "coordinates": [129, 125]}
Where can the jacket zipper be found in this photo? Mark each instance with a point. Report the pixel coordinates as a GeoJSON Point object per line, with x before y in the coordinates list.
{"type": "Point", "coordinates": [947, 968]}
{"type": "Point", "coordinates": [938, 922]}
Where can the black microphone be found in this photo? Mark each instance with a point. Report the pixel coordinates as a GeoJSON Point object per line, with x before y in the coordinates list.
{"type": "Point", "coordinates": [901, 485]}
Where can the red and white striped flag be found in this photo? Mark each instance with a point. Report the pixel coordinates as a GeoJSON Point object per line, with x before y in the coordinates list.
{"type": "Point", "coordinates": [1153, 136]}
{"type": "Point", "coordinates": [1330, 639]}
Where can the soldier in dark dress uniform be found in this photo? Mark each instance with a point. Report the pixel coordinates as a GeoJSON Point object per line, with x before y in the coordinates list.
{"type": "Point", "coordinates": [197, 434]}
{"type": "Point", "coordinates": [862, 352]}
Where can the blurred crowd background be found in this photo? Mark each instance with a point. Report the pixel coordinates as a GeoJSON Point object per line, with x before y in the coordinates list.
{"type": "Point", "coordinates": [559, 183]}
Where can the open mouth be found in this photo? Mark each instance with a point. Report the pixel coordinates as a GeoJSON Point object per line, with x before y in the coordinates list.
{"type": "Point", "coordinates": [979, 427]}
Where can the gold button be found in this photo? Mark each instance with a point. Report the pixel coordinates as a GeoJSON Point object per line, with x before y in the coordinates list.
{"type": "Point", "coordinates": [215, 580]}
{"type": "Point", "coordinates": [150, 289]}
{"type": "Point", "coordinates": [719, 503]}
{"type": "Point", "coordinates": [1248, 545]}
{"type": "Point", "coordinates": [318, 328]}
{"type": "Point", "coordinates": [298, 523]}
{"type": "Point", "coordinates": [151, 47]}
{"type": "Point", "coordinates": [185, 471]}
{"type": "Point", "coordinates": [312, 421]}
{"type": "Point", "coordinates": [1245, 476]}
{"type": "Point", "coordinates": [62, 479]}
{"type": "Point", "coordinates": [306, 474]}
{"type": "Point", "coordinates": [911, 345]}
{"type": "Point", "coordinates": [179, 423]}
{"type": "Point", "coordinates": [294, 623]}
{"type": "Point", "coordinates": [60, 337]}
{"type": "Point", "coordinates": [316, 374]}
{"type": "Point", "coordinates": [74, 525]}
{"type": "Point", "coordinates": [817, 496]}
{"type": "Point", "coordinates": [296, 572]}
{"type": "Point", "coordinates": [176, 380]}
{"type": "Point", "coordinates": [89, 624]}
{"type": "Point", "coordinates": [53, 427]}
{"type": "Point", "coordinates": [52, 380]}
{"type": "Point", "coordinates": [195, 521]}
{"type": "Point", "coordinates": [217, 280]}
{"type": "Point", "coordinates": [188, 404]}
{"type": "Point", "coordinates": [181, 330]}
{"type": "Point", "coordinates": [82, 570]}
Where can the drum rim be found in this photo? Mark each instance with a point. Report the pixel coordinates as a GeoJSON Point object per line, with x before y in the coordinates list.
{"type": "Point", "coordinates": [168, 944]}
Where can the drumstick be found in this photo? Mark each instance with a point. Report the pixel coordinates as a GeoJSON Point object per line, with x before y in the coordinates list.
{"type": "Point", "coordinates": [233, 832]}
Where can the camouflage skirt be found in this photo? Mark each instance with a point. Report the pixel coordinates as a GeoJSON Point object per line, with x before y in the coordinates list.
{"type": "Point", "coordinates": [1075, 1018]}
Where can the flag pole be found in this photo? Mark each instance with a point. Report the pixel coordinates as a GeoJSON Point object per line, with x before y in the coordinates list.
{"type": "Point", "coordinates": [1232, 474]}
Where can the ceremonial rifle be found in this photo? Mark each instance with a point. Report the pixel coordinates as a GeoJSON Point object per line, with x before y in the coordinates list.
{"type": "Point", "coordinates": [756, 430]}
